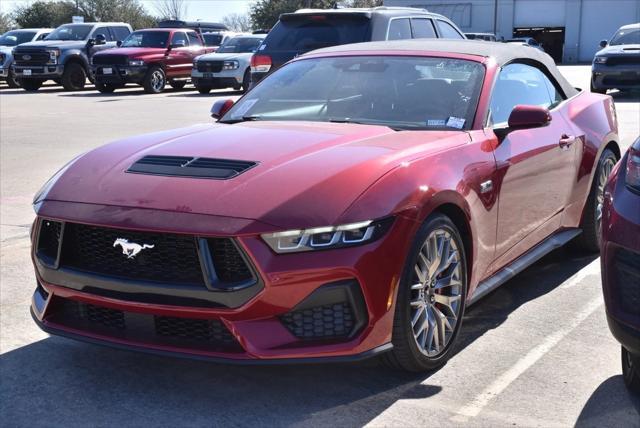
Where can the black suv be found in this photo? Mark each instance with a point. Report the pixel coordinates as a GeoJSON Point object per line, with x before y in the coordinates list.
{"type": "Point", "coordinates": [65, 54]}
{"type": "Point", "coordinates": [308, 29]}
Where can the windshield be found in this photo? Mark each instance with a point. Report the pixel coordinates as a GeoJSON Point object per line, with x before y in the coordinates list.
{"type": "Point", "coordinates": [70, 32]}
{"type": "Point", "coordinates": [626, 37]}
{"type": "Point", "coordinates": [212, 39]}
{"type": "Point", "coordinates": [305, 33]}
{"type": "Point", "coordinates": [146, 39]}
{"type": "Point", "coordinates": [399, 92]}
{"type": "Point", "coordinates": [240, 45]}
{"type": "Point", "coordinates": [16, 37]}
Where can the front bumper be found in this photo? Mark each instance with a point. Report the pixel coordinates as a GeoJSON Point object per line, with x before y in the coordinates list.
{"type": "Point", "coordinates": [620, 259]}
{"type": "Point", "coordinates": [302, 300]}
{"type": "Point", "coordinates": [220, 80]}
{"type": "Point", "coordinates": [120, 75]}
{"type": "Point", "coordinates": [615, 77]}
{"type": "Point", "coordinates": [40, 71]}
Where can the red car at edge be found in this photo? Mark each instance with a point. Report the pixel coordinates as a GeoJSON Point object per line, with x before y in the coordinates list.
{"type": "Point", "coordinates": [351, 204]}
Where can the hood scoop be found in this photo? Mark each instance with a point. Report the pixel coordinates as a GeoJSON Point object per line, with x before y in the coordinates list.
{"type": "Point", "coordinates": [192, 167]}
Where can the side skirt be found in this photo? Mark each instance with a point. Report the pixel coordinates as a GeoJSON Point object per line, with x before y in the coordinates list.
{"type": "Point", "coordinates": [553, 242]}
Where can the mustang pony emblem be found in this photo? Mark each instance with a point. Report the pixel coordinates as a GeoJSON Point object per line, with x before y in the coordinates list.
{"type": "Point", "coordinates": [130, 249]}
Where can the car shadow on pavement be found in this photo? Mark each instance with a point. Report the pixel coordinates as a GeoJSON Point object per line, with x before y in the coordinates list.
{"type": "Point", "coordinates": [64, 382]}
{"type": "Point", "coordinates": [212, 94]}
{"type": "Point", "coordinates": [610, 405]}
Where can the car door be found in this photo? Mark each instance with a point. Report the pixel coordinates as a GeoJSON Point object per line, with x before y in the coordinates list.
{"type": "Point", "coordinates": [179, 58]}
{"type": "Point", "coordinates": [196, 47]}
{"type": "Point", "coordinates": [110, 43]}
{"type": "Point", "coordinates": [536, 166]}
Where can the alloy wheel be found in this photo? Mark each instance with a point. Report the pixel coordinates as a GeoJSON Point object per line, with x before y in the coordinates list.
{"type": "Point", "coordinates": [436, 293]}
{"type": "Point", "coordinates": [605, 171]}
{"type": "Point", "coordinates": [157, 80]}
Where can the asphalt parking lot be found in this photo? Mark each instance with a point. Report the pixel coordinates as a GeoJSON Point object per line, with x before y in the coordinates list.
{"type": "Point", "coordinates": [537, 352]}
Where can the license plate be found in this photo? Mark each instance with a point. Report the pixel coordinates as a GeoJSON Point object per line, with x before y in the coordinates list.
{"type": "Point", "coordinates": [26, 72]}
{"type": "Point", "coordinates": [207, 75]}
{"type": "Point", "coordinates": [107, 70]}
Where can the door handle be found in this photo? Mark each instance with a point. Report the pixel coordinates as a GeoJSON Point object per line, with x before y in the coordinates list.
{"type": "Point", "coordinates": [566, 141]}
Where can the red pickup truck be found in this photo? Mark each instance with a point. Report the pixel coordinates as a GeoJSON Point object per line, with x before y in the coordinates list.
{"type": "Point", "coordinates": [150, 58]}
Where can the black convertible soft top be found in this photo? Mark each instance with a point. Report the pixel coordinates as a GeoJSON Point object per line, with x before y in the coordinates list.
{"type": "Point", "coordinates": [502, 53]}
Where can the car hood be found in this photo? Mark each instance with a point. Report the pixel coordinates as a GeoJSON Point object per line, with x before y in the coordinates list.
{"type": "Point", "coordinates": [620, 50]}
{"type": "Point", "coordinates": [132, 52]}
{"type": "Point", "coordinates": [223, 56]}
{"type": "Point", "coordinates": [307, 173]}
{"type": "Point", "coordinates": [63, 44]}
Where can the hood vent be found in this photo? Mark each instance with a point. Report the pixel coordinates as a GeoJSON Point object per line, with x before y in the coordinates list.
{"type": "Point", "coordinates": [183, 166]}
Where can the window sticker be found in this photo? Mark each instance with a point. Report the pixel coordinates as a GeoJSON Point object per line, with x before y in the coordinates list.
{"type": "Point", "coordinates": [435, 122]}
{"type": "Point", "coordinates": [261, 48]}
{"type": "Point", "coordinates": [455, 122]}
{"type": "Point", "coordinates": [245, 107]}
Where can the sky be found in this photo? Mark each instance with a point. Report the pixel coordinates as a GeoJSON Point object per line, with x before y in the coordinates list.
{"type": "Point", "coordinates": [206, 10]}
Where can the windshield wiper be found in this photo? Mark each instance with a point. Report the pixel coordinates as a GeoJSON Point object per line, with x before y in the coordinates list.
{"type": "Point", "coordinates": [363, 122]}
{"type": "Point", "coordinates": [244, 119]}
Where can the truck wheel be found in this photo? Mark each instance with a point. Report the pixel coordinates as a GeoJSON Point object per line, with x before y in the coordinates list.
{"type": "Point", "coordinates": [74, 77]}
{"type": "Point", "coordinates": [31, 85]}
{"type": "Point", "coordinates": [154, 81]}
{"type": "Point", "coordinates": [177, 84]}
{"type": "Point", "coordinates": [246, 81]}
{"type": "Point", "coordinates": [12, 81]}
{"type": "Point", "coordinates": [105, 88]}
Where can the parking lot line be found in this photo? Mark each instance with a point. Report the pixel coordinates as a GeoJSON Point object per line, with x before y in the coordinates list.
{"type": "Point", "coordinates": [474, 408]}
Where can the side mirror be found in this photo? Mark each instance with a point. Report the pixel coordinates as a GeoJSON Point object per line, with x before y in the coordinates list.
{"type": "Point", "coordinates": [100, 39]}
{"type": "Point", "coordinates": [603, 43]}
{"type": "Point", "coordinates": [525, 117]}
{"type": "Point", "coordinates": [220, 108]}
{"type": "Point", "coordinates": [119, 43]}
{"type": "Point", "coordinates": [178, 44]}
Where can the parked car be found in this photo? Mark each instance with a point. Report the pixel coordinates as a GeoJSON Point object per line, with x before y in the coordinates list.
{"type": "Point", "coordinates": [617, 64]}
{"type": "Point", "coordinates": [11, 39]}
{"type": "Point", "coordinates": [215, 39]}
{"type": "Point", "coordinates": [351, 204]}
{"type": "Point", "coordinates": [620, 258]}
{"type": "Point", "coordinates": [487, 37]}
{"type": "Point", "coordinates": [65, 54]}
{"type": "Point", "coordinates": [528, 41]}
{"type": "Point", "coordinates": [150, 58]}
{"type": "Point", "coordinates": [228, 67]}
{"type": "Point", "coordinates": [309, 29]}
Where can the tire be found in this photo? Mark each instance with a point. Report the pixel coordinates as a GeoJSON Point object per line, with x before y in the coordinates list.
{"type": "Point", "coordinates": [596, 90]}
{"type": "Point", "coordinates": [155, 80]}
{"type": "Point", "coordinates": [417, 301]}
{"type": "Point", "coordinates": [177, 84]}
{"type": "Point", "coordinates": [590, 238]}
{"type": "Point", "coordinates": [203, 89]}
{"type": "Point", "coordinates": [31, 85]}
{"type": "Point", "coordinates": [74, 77]}
{"type": "Point", "coordinates": [246, 81]}
{"type": "Point", "coordinates": [12, 80]}
{"type": "Point", "coordinates": [105, 88]}
{"type": "Point", "coordinates": [631, 371]}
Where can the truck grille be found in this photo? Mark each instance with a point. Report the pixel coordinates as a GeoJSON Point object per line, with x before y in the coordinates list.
{"type": "Point", "coordinates": [210, 66]}
{"type": "Point", "coordinates": [624, 60]}
{"type": "Point", "coordinates": [110, 59]}
{"type": "Point", "coordinates": [24, 57]}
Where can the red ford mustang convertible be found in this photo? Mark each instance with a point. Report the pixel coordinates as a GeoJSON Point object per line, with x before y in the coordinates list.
{"type": "Point", "coordinates": [352, 204]}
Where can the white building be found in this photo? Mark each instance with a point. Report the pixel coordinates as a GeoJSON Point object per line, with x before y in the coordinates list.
{"type": "Point", "coordinates": [570, 30]}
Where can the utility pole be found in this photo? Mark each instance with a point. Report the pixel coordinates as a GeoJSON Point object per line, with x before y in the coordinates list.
{"type": "Point", "coordinates": [495, 18]}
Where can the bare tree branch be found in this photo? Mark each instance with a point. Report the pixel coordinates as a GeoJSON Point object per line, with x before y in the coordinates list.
{"type": "Point", "coordinates": [171, 9]}
{"type": "Point", "coordinates": [238, 22]}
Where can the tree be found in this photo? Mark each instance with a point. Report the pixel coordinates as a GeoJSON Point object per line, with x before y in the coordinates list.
{"type": "Point", "coordinates": [5, 23]}
{"type": "Point", "coordinates": [42, 14]}
{"type": "Point", "coordinates": [171, 9]}
{"type": "Point", "coordinates": [363, 3]}
{"type": "Point", "coordinates": [265, 13]}
{"type": "Point", "coordinates": [237, 22]}
{"type": "Point", "coordinates": [130, 11]}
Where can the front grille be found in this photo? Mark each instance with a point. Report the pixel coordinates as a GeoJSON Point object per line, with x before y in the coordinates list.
{"type": "Point", "coordinates": [211, 335]}
{"type": "Point", "coordinates": [210, 66]}
{"type": "Point", "coordinates": [24, 57]}
{"type": "Point", "coordinates": [49, 240]}
{"type": "Point", "coordinates": [627, 274]}
{"type": "Point", "coordinates": [168, 258]}
{"type": "Point", "coordinates": [193, 167]}
{"type": "Point", "coordinates": [624, 60]}
{"type": "Point", "coordinates": [623, 79]}
{"type": "Point", "coordinates": [321, 322]}
{"type": "Point", "coordinates": [110, 59]}
{"type": "Point", "coordinates": [228, 262]}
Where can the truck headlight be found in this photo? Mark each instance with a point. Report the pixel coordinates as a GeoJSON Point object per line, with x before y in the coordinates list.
{"type": "Point", "coordinates": [230, 65]}
{"type": "Point", "coordinates": [53, 56]}
{"type": "Point", "coordinates": [136, 63]}
{"type": "Point", "coordinates": [329, 237]}
{"type": "Point", "coordinates": [600, 60]}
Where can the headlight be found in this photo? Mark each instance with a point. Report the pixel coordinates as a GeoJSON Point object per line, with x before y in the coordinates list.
{"type": "Point", "coordinates": [632, 175]}
{"type": "Point", "coordinates": [136, 63]}
{"type": "Point", "coordinates": [329, 237]}
{"type": "Point", "coordinates": [53, 55]}
{"type": "Point", "coordinates": [230, 65]}
{"type": "Point", "coordinates": [600, 60]}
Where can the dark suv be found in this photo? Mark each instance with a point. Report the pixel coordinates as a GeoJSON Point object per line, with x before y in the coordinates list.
{"type": "Point", "coordinates": [64, 55]}
{"type": "Point", "coordinates": [308, 29]}
{"type": "Point", "coordinates": [617, 64]}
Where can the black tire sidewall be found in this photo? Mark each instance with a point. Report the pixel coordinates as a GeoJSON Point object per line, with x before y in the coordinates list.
{"type": "Point", "coordinates": [12, 81]}
{"type": "Point", "coordinates": [246, 81]}
{"type": "Point", "coordinates": [67, 77]}
{"type": "Point", "coordinates": [148, 87]}
{"type": "Point", "coordinates": [631, 373]}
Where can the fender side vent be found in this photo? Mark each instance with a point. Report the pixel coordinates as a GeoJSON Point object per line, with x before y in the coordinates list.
{"type": "Point", "coordinates": [184, 166]}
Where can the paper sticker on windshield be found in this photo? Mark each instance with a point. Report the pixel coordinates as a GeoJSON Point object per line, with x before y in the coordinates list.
{"type": "Point", "coordinates": [455, 122]}
{"type": "Point", "coordinates": [438, 122]}
{"type": "Point", "coordinates": [245, 107]}
{"type": "Point", "coordinates": [261, 48]}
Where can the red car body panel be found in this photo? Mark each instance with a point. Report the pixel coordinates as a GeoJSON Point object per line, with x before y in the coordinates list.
{"type": "Point", "coordinates": [319, 174]}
